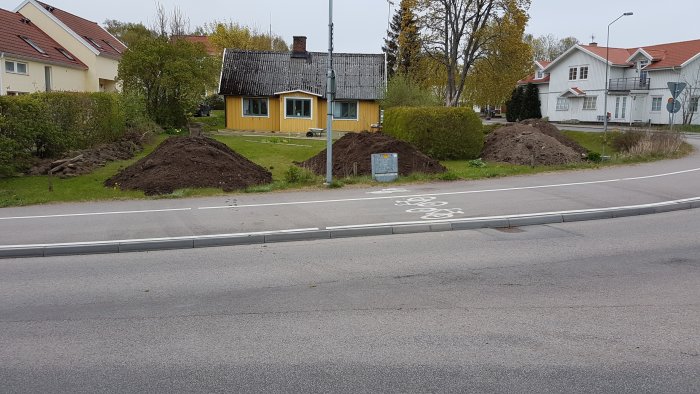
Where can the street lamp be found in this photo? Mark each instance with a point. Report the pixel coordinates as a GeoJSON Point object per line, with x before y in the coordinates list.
{"type": "Point", "coordinates": [607, 67]}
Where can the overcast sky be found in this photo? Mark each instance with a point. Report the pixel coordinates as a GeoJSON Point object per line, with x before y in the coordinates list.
{"type": "Point", "coordinates": [361, 24]}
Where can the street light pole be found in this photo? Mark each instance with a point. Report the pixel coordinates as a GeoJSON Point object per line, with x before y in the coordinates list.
{"type": "Point", "coordinates": [607, 82]}
{"type": "Point", "coordinates": [330, 91]}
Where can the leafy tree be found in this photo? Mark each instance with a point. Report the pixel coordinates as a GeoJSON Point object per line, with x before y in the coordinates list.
{"type": "Point", "coordinates": [457, 33]}
{"type": "Point", "coordinates": [531, 103]}
{"type": "Point", "coordinates": [126, 32]}
{"type": "Point", "coordinates": [170, 75]}
{"type": "Point", "coordinates": [507, 59]}
{"type": "Point", "coordinates": [232, 35]}
{"type": "Point", "coordinates": [515, 104]}
{"type": "Point", "coordinates": [403, 91]}
{"type": "Point", "coordinates": [549, 47]}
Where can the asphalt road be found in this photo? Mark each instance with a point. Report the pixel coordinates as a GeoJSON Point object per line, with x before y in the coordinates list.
{"type": "Point", "coordinates": [353, 207]}
{"type": "Point", "coordinates": [601, 306]}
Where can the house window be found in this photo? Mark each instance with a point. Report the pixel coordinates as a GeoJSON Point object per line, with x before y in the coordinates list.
{"type": "Point", "coordinates": [540, 74]}
{"type": "Point", "coordinates": [66, 54]}
{"type": "Point", "coordinates": [255, 107]}
{"type": "Point", "coordinates": [297, 108]}
{"type": "Point", "coordinates": [572, 73]}
{"type": "Point", "coordinates": [93, 42]}
{"type": "Point", "coordinates": [15, 67]}
{"type": "Point", "coordinates": [656, 104]}
{"type": "Point", "coordinates": [562, 104]}
{"type": "Point", "coordinates": [345, 110]}
{"type": "Point", "coordinates": [590, 102]}
{"type": "Point", "coordinates": [111, 46]}
{"type": "Point", "coordinates": [583, 72]}
{"type": "Point", "coordinates": [693, 104]}
{"type": "Point", "coordinates": [33, 45]}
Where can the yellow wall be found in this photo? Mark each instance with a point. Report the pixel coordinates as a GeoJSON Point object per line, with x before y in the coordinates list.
{"type": "Point", "coordinates": [368, 113]}
{"type": "Point", "coordinates": [63, 78]}
{"type": "Point", "coordinates": [98, 67]}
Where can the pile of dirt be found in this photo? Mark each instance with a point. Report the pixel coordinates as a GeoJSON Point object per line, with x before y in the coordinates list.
{"type": "Point", "coordinates": [552, 131]}
{"type": "Point", "coordinates": [352, 156]}
{"type": "Point", "coordinates": [190, 162]}
{"type": "Point", "coordinates": [525, 145]}
{"type": "Point", "coordinates": [85, 161]}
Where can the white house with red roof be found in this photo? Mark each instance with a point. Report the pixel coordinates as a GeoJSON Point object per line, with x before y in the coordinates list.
{"type": "Point", "coordinates": [572, 86]}
{"type": "Point", "coordinates": [43, 48]}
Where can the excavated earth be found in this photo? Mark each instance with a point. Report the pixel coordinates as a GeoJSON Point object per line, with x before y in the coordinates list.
{"type": "Point", "coordinates": [190, 162]}
{"type": "Point", "coordinates": [526, 145]}
{"type": "Point", "coordinates": [352, 156]}
{"type": "Point", "coordinates": [552, 131]}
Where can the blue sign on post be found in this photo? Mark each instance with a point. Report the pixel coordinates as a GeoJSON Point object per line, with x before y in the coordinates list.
{"type": "Point", "coordinates": [676, 88]}
{"type": "Point", "coordinates": [673, 106]}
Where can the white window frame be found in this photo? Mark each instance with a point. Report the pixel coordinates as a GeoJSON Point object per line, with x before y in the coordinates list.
{"type": "Point", "coordinates": [574, 71]}
{"type": "Point", "coordinates": [15, 66]}
{"type": "Point", "coordinates": [589, 99]}
{"type": "Point", "coordinates": [311, 107]}
{"type": "Point", "coordinates": [34, 45]}
{"type": "Point", "coordinates": [693, 104]}
{"type": "Point", "coordinates": [357, 109]}
{"type": "Point", "coordinates": [565, 101]}
{"type": "Point", "coordinates": [654, 100]}
{"type": "Point", "coordinates": [580, 72]}
{"type": "Point", "coordinates": [243, 99]}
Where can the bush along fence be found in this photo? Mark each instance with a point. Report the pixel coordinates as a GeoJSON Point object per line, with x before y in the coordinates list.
{"type": "Point", "coordinates": [439, 132]}
{"type": "Point", "coordinates": [51, 124]}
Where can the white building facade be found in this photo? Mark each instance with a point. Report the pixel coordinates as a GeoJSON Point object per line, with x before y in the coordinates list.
{"type": "Point", "coordinates": [572, 86]}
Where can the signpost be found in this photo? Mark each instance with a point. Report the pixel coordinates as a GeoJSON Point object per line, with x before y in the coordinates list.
{"type": "Point", "coordinates": [674, 105]}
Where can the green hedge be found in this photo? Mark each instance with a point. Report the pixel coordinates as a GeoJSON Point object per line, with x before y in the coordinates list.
{"type": "Point", "coordinates": [50, 124]}
{"type": "Point", "coordinates": [439, 132]}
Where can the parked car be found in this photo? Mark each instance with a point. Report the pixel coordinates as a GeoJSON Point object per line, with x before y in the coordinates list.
{"type": "Point", "coordinates": [202, 110]}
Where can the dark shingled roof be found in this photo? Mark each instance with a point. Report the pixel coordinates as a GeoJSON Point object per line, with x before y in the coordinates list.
{"type": "Point", "coordinates": [260, 73]}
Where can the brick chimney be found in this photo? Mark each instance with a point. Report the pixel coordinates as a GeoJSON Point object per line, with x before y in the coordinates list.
{"type": "Point", "coordinates": [299, 46]}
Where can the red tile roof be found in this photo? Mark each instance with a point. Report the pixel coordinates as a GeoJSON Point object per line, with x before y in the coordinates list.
{"type": "Point", "coordinates": [13, 25]}
{"type": "Point", "coordinates": [664, 55]}
{"type": "Point", "coordinates": [90, 31]}
{"type": "Point", "coordinates": [531, 79]}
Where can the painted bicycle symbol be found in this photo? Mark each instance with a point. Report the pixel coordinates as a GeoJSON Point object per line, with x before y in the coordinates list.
{"type": "Point", "coordinates": [429, 207]}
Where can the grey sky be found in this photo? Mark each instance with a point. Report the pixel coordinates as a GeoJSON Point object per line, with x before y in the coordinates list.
{"type": "Point", "coordinates": [361, 24]}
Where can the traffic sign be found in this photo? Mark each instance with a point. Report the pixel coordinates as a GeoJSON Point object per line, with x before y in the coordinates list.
{"type": "Point", "coordinates": [676, 88]}
{"type": "Point", "coordinates": [673, 106]}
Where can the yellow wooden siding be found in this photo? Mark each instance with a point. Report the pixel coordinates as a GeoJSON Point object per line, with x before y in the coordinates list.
{"type": "Point", "coordinates": [367, 114]}
{"type": "Point", "coordinates": [236, 121]}
{"type": "Point", "coordinates": [295, 124]}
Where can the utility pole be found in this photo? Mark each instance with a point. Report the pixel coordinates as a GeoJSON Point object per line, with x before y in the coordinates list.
{"type": "Point", "coordinates": [330, 92]}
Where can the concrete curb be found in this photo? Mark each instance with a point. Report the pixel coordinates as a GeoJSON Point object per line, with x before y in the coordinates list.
{"type": "Point", "coordinates": [154, 244]}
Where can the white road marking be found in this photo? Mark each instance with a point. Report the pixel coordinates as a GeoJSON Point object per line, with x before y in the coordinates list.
{"type": "Point", "coordinates": [389, 191]}
{"type": "Point", "coordinates": [357, 199]}
{"type": "Point", "coordinates": [507, 189]}
{"type": "Point", "coordinates": [65, 215]}
{"type": "Point", "coordinates": [524, 215]}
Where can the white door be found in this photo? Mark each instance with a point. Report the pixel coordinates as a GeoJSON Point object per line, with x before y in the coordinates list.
{"type": "Point", "coordinates": [621, 108]}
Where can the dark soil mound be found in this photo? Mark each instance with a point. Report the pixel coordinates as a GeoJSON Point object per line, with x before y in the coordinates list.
{"type": "Point", "coordinates": [190, 162]}
{"type": "Point", "coordinates": [85, 161]}
{"type": "Point", "coordinates": [526, 145]}
{"type": "Point", "coordinates": [552, 131]}
{"type": "Point", "coordinates": [355, 149]}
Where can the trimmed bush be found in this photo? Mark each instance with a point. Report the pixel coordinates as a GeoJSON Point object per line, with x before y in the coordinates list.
{"type": "Point", "coordinates": [440, 132]}
{"type": "Point", "coordinates": [50, 124]}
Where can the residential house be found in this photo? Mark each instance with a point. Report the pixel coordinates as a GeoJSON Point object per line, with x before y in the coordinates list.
{"type": "Point", "coordinates": [572, 86]}
{"type": "Point", "coordinates": [94, 49]}
{"type": "Point", "coordinates": [34, 62]}
{"type": "Point", "coordinates": [286, 91]}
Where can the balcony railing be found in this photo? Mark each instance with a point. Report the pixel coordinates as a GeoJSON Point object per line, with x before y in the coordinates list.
{"type": "Point", "coordinates": [629, 84]}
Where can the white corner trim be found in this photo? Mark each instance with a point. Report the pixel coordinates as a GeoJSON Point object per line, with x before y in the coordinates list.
{"type": "Point", "coordinates": [296, 91]}
{"type": "Point", "coordinates": [59, 23]}
{"type": "Point", "coordinates": [692, 59]}
{"type": "Point", "coordinates": [643, 52]}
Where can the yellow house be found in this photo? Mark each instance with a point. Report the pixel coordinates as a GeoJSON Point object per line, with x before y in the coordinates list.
{"type": "Point", "coordinates": [95, 51]}
{"type": "Point", "coordinates": [285, 91]}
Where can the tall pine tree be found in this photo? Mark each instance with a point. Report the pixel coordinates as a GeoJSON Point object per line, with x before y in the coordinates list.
{"type": "Point", "coordinates": [515, 104]}
{"type": "Point", "coordinates": [402, 44]}
{"type": "Point", "coordinates": [391, 43]}
{"type": "Point", "coordinates": [531, 103]}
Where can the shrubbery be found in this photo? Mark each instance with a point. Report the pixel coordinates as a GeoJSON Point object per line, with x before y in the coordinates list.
{"type": "Point", "coordinates": [50, 124]}
{"type": "Point", "coordinates": [441, 133]}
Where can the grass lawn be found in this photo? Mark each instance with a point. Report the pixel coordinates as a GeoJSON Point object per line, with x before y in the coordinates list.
{"type": "Point", "coordinates": [276, 153]}
{"type": "Point", "coordinates": [216, 121]}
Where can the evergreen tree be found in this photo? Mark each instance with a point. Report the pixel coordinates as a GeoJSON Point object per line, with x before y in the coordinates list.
{"type": "Point", "coordinates": [408, 39]}
{"type": "Point", "coordinates": [531, 103]}
{"type": "Point", "coordinates": [515, 104]}
{"type": "Point", "coordinates": [391, 43]}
